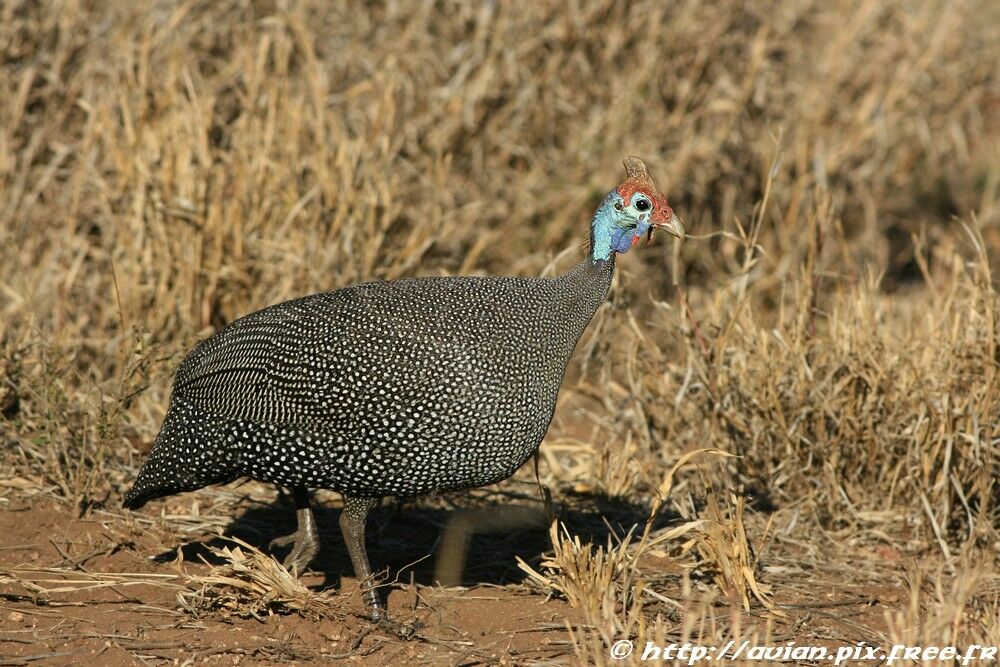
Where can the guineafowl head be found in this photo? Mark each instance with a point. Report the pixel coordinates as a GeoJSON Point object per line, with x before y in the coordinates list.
{"type": "Point", "coordinates": [631, 212]}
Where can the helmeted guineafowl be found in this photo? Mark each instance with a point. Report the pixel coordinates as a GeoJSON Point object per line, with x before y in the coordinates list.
{"type": "Point", "coordinates": [390, 388]}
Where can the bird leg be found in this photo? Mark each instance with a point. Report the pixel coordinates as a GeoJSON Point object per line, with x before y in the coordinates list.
{"type": "Point", "coordinates": [305, 540]}
{"type": "Point", "coordinates": [352, 523]}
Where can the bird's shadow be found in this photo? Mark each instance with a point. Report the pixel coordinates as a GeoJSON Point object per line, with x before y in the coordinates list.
{"type": "Point", "coordinates": [407, 540]}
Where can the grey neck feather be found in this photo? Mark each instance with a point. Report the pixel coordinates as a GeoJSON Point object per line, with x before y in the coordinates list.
{"type": "Point", "coordinates": [586, 286]}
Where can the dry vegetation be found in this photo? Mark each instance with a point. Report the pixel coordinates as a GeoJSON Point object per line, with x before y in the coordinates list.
{"type": "Point", "coordinates": [829, 333]}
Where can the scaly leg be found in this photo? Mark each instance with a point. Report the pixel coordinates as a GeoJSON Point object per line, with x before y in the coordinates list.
{"type": "Point", "coordinates": [352, 523]}
{"type": "Point", "coordinates": [305, 539]}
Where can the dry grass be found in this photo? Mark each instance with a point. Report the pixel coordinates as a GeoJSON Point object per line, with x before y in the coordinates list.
{"type": "Point", "coordinates": [832, 322]}
{"type": "Point", "coordinates": [252, 583]}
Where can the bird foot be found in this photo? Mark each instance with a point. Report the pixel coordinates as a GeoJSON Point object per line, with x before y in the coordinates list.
{"type": "Point", "coordinates": [304, 541]}
{"type": "Point", "coordinates": [282, 541]}
{"type": "Point", "coordinates": [401, 630]}
{"type": "Point", "coordinates": [304, 549]}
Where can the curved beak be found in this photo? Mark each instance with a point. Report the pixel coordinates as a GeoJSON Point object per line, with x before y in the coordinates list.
{"type": "Point", "coordinates": [672, 226]}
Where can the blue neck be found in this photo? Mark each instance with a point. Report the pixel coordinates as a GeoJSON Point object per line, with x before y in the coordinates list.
{"type": "Point", "coordinates": [606, 236]}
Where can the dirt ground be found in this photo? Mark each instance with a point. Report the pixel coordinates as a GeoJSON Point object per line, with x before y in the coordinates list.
{"type": "Point", "coordinates": [140, 624]}
{"type": "Point", "coordinates": [493, 619]}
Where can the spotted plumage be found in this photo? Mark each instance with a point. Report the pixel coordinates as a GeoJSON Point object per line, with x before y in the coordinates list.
{"type": "Point", "coordinates": [390, 388]}
{"type": "Point", "coordinates": [381, 389]}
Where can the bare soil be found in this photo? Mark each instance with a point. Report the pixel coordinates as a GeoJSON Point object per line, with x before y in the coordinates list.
{"type": "Point", "coordinates": [493, 619]}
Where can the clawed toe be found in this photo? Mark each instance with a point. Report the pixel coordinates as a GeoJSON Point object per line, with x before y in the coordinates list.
{"type": "Point", "coordinates": [304, 541]}
{"type": "Point", "coordinates": [282, 541]}
{"type": "Point", "coordinates": [303, 551]}
{"type": "Point", "coordinates": [384, 622]}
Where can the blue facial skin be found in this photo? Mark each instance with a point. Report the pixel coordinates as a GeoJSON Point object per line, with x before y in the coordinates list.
{"type": "Point", "coordinates": [614, 230]}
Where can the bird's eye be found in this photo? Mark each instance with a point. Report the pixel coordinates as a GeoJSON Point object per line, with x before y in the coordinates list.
{"type": "Point", "coordinates": [642, 205]}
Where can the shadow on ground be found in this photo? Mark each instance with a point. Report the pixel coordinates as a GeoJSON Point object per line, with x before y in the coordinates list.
{"type": "Point", "coordinates": [474, 537]}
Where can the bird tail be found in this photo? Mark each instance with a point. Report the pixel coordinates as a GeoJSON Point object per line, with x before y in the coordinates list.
{"type": "Point", "coordinates": [183, 458]}
{"type": "Point", "coordinates": [143, 491]}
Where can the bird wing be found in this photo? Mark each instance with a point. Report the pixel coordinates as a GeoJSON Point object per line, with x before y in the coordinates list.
{"type": "Point", "coordinates": [314, 361]}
